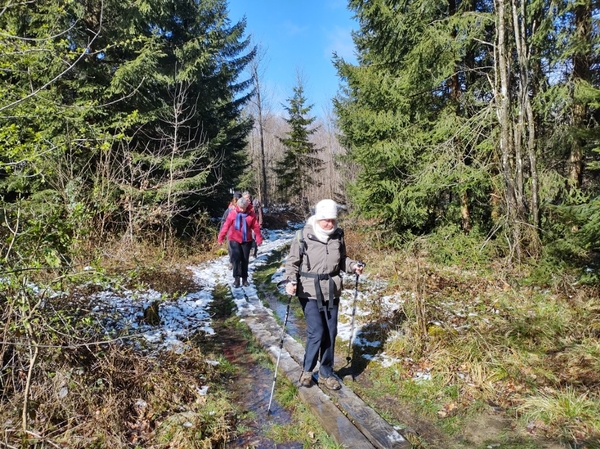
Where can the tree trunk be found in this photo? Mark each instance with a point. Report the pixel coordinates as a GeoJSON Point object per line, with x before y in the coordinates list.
{"type": "Point", "coordinates": [502, 94]}
{"type": "Point", "coordinates": [525, 135]}
{"type": "Point", "coordinates": [455, 94]}
{"type": "Point", "coordinates": [581, 72]}
{"type": "Point", "coordinates": [263, 165]}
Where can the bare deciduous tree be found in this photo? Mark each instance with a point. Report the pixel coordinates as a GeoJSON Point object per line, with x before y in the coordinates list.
{"type": "Point", "coordinates": [260, 107]}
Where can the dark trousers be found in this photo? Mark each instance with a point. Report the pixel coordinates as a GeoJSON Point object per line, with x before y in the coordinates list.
{"type": "Point", "coordinates": [229, 251]}
{"type": "Point", "coordinates": [254, 246]}
{"type": "Point", "coordinates": [240, 255]}
{"type": "Point", "coordinates": [321, 330]}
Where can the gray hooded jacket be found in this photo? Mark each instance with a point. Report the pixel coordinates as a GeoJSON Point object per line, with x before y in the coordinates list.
{"type": "Point", "coordinates": [318, 265]}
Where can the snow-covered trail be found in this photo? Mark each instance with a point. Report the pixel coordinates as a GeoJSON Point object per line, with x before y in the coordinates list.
{"type": "Point", "coordinates": [216, 271]}
{"type": "Point", "coordinates": [183, 316]}
{"type": "Point", "coordinates": [123, 309]}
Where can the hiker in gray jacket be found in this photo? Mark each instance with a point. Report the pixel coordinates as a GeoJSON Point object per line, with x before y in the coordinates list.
{"type": "Point", "coordinates": [313, 271]}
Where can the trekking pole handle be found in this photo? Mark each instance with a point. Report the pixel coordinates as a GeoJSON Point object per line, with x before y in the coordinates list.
{"type": "Point", "coordinates": [359, 264]}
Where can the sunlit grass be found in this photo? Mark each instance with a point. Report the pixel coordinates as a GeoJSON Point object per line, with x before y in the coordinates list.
{"type": "Point", "coordinates": [263, 274]}
{"type": "Point", "coordinates": [309, 433]}
{"type": "Point", "coordinates": [188, 429]}
{"type": "Point", "coordinates": [489, 340]}
{"type": "Point", "coordinates": [571, 414]}
{"type": "Point", "coordinates": [304, 426]}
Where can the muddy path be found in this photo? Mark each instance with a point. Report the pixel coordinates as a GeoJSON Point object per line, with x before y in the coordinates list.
{"type": "Point", "coordinates": [251, 389]}
{"type": "Point", "coordinates": [250, 384]}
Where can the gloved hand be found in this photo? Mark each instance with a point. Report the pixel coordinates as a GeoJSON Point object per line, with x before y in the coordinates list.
{"type": "Point", "coordinates": [359, 267]}
{"type": "Point", "coordinates": [290, 288]}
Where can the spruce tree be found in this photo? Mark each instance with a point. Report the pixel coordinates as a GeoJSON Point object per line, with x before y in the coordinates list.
{"type": "Point", "coordinates": [476, 114]}
{"type": "Point", "coordinates": [413, 116]}
{"type": "Point", "coordinates": [119, 115]}
{"type": "Point", "coordinates": [300, 162]}
{"type": "Point", "coordinates": [184, 126]}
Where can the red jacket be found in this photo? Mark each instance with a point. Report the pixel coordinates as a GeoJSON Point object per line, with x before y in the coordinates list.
{"type": "Point", "coordinates": [233, 227]}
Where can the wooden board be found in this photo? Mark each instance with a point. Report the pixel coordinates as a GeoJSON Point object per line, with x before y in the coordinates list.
{"type": "Point", "coordinates": [345, 416]}
{"type": "Point", "coordinates": [336, 424]}
{"type": "Point", "coordinates": [379, 432]}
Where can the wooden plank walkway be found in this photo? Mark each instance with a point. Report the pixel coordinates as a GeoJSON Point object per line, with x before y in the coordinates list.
{"type": "Point", "coordinates": [351, 422]}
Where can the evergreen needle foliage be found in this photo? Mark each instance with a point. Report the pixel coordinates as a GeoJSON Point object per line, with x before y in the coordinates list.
{"type": "Point", "coordinates": [300, 164]}
{"type": "Point", "coordinates": [476, 114]}
{"type": "Point", "coordinates": [117, 117]}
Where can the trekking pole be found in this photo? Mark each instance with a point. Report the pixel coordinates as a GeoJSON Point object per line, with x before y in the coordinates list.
{"type": "Point", "coordinates": [348, 358]}
{"type": "Point", "coordinates": [287, 313]}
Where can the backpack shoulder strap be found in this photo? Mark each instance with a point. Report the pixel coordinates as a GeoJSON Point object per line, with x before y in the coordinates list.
{"type": "Point", "coordinates": [301, 241]}
{"type": "Point", "coordinates": [342, 242]}
{"type": "Point", "coordinates": [302, 247]}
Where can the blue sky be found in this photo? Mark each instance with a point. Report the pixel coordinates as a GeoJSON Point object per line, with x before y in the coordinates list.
{"type": "Point", "coordinates": [299, 35]}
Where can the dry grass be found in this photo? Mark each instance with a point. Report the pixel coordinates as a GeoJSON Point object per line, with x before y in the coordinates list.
{"type": "Point", "coordinates": [491, 338]}
{"type": "Point", "coordinates": [81, 391]}
{"type": "Point", "coordinates": [107, 395]}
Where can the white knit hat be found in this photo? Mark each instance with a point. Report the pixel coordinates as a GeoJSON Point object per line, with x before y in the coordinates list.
{"type": "Point", "coordinates": [326, 210]}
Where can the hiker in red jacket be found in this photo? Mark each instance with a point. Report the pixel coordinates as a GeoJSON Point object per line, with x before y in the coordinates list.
{"type": "Point", "coordinates": [238, 227]}
{"type": "Point", "coordinates": [230, 207]}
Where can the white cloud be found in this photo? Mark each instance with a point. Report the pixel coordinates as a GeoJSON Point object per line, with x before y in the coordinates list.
{"type": "Point", "coordinates": [292, 29]}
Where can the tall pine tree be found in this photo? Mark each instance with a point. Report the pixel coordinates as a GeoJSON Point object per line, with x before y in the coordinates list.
{"type": "Point", "coordinates": [300, 163]}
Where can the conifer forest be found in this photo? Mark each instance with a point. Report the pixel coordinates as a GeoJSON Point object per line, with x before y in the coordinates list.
{"type": "Point", "coordinates": [466, 135]}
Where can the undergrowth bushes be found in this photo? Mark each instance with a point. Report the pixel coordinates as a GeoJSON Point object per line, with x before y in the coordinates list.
{"type": "Point", "coordinates": [470, 334]}
{"type": "Point", "coordinates": [63, 383]}
{"type": "Point", "coordinates": [481, 334]}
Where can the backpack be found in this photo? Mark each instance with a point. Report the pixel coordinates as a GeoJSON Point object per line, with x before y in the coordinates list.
{"type": "Point", "coordinates": [302, 247]}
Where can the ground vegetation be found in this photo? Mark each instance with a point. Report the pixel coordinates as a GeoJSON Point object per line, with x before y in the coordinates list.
{"type": "Point", "coordinates": [464, 148]}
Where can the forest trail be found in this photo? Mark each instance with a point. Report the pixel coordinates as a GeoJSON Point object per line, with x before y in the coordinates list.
{"type": "Point", "coordinates": [347, 419]}
{"type": "Point", "coordinates": [344, 416]}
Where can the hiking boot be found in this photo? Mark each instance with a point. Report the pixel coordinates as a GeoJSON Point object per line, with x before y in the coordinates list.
{"type": "Point", "coordinates": [236, 282]}
{"type": "Point", "coordinates": [306, 380]}
{"type": "Point", "coordinates": [245, 283]}
{"type": "Point", "coordinates": [332, 383]}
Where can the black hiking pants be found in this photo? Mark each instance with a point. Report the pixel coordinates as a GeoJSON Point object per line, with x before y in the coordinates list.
{"type": "Point", "coordinates": [321, 330]}
{"type": "Point", "coordinates": [240, 255]}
